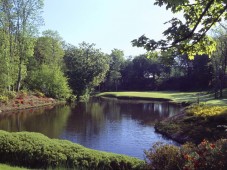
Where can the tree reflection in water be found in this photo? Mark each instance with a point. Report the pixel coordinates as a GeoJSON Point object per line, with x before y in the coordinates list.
{"type": "Point", "coordinates": [120, 126]}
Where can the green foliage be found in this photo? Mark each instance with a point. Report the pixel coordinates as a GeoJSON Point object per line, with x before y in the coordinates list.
{"type": "Point", "coordinates": [37, 151]}
{"type": "Point", "coordinates": [18, 22]}
{"type": "Point", "coordinates": [86, 67]}
{"type": "Point", "coordinates": [206, 155]}
{"type": "Point", "coordinates": [38, 93]}
{"type": "Point", "coordinates": [4, 99]}
{"type": "Point", "coordinates": [9, 94]}
{"type": "Point", "coordinates": [114, 75]}
{"type": "Point", "coordinates": [48, 49]}
{"type": "Point", "coordinates": [219, 59]}
{"type": "Point", "coordinates": [50, 81]}
{"type": "Point", "coordinates": [189, 35]}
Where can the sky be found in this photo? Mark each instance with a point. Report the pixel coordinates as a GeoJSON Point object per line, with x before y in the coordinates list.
{"type": "Point", "coordinates": [109, 24]}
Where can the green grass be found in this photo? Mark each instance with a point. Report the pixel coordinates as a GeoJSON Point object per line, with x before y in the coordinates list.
{"type": "Point", "coordinates": [177, 97]}
{"type": "Point", "coordinates": [7, 167]}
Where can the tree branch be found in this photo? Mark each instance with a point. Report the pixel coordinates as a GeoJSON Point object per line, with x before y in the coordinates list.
{"type": "Point", "coordinates": [197, 23]}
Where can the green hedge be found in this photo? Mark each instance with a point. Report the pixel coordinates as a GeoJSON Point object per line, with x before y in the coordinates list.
{"type": "Point", "coordinates": [35, 150]}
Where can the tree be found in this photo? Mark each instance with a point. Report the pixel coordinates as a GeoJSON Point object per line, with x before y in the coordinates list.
{"type": "Point", "coordinates": [27, 13]}
{"type": "Point", "coordinates": [188, 35]}
{"type": "Point", "coordinates": [45, 72]}
{"type": "Point", "coordinates": [5, 77]}
{"type": "Point", "coordinates": [49, 80]}
{"type": "Point", "coordinates": [219, 60]}
{"type": "Point", "coordinates": [19, 19]}
{"type": "Point", "coordinates": [142, 72]}
{"type": "Point", "coordinates": [48, 49]}
{"type": "Point", "coordinates": [86, 67]}
{"type": "Point", "coordinates": [114, 74]}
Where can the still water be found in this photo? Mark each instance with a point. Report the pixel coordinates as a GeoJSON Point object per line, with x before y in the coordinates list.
{"type": "Point", "coordinates": [119, 126]}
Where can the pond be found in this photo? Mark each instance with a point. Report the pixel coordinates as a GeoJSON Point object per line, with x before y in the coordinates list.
{"type": "Point", "coordinates": [106, 124]}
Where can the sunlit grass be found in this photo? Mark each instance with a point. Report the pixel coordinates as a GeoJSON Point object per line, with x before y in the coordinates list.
{"type": "Point", "coordinates": [178, 97]}
{"type": "Point", "coordinates": [7, 167]}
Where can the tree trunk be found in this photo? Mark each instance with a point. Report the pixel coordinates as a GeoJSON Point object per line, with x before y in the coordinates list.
{"type": "Point", "coordinates": [221, 86]}
{"type": "Point", "coordinates": [19, 77]}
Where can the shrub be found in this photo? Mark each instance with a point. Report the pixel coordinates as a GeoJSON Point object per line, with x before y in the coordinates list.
{"type": "Point", "coordinates": [38, 93]}
{"type": "Point", "coordinates": [4, 99]}
{"type": "Point", "coordinates": [163, 157]}
{"type": "Point", "coordinates": [206, 111]}
{"type": "Point", "coordinates": [205, 156]}
{"type": "Point", "coordinates": [10, 94]}
{"type": "Point", "coordinates": [35, 150]}
{"type": "Point", "coordinates": [22, 94]}
{"type": "Point", "coordinates": [50, 81]}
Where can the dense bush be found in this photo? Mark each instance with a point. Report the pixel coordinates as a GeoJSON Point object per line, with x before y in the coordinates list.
{"type": "Point", "coordinates": [205, 156]}
{"type": "Point", "coordinates": [10, 94]}
{"type": "Point", "coordinates": [50, 81]}
{"type": "Point", "coordinates": [163, 157]}
{"type": "Point", "coordinates": [38, 151]}
{"type": "Point", "coordinates": [3, 99]}
{"type": "Point", "coordinates": [206, 110]}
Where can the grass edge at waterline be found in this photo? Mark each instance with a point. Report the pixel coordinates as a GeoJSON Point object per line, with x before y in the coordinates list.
{"type": "Point", "coordinates": [171, 96]}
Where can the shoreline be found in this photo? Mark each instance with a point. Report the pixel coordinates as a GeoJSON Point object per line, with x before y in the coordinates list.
{"type": "Point", "coordinates": [183, 103]}
{"type": "Point", "coordinates": [27, 102]}
{"type": "Point", "coordinates": [182, 127]}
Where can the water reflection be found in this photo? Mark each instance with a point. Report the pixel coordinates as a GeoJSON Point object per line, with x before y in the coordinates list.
{"type": "Point", "coordinates": [49, 121]}
{"type": "Point", "coordinates": [120, 126]}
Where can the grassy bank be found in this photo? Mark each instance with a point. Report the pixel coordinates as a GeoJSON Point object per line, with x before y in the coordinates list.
{"type": "Point", "coordinates": [176, 97]}
{"type": "Point", "coordinates": [195, 123]}
{"type": "Point", "coordinates": [7, 167]}
{"type": "Point", "coordinates": [35, 150]}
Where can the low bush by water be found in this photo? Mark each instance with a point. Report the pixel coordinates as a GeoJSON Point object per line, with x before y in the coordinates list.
{"type": "Point", "coordinates": [35, 150]}
{"type": "Point", "coordinates": [205, 156]}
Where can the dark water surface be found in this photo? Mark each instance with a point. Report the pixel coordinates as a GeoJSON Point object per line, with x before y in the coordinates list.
{"type": "Point", "coordinates": [119, 126]}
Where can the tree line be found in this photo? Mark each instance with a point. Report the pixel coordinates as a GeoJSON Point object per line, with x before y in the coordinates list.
{"type": "Point", "coordinates": [48, 64]}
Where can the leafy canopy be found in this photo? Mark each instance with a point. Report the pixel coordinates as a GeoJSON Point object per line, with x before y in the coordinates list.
{"type": "Point", "coordinates": [188, 35]}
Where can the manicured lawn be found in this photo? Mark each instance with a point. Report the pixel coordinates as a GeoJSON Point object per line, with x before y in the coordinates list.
{"type": "Point", "coordinates": [178, 97]}
{"type": "Point", "coordinates": [7, 167]}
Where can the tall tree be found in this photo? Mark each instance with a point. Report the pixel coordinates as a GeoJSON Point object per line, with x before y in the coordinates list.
{"type": "Point", "coordinates": [114, 74]}
{"type": "Point", "coordinates": [27, 14]}
{"type": "Point", "coordinates": [19, 19]}
{"type": "Point", "coordinates": [9, 56]}
{"type": "Point", "coordinates": [86, 67]}
{"type": "Point", "coordinates": [219, 59]}
{"type": "Point", "coordinates": [48, 49]}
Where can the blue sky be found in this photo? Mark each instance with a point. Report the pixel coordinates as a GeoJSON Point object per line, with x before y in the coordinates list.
{"type": "Point", "coordinates": [107, 23]}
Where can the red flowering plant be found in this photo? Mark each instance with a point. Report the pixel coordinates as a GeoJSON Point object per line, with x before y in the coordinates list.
{"type": "Point", "coordinates": [207, 156]}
